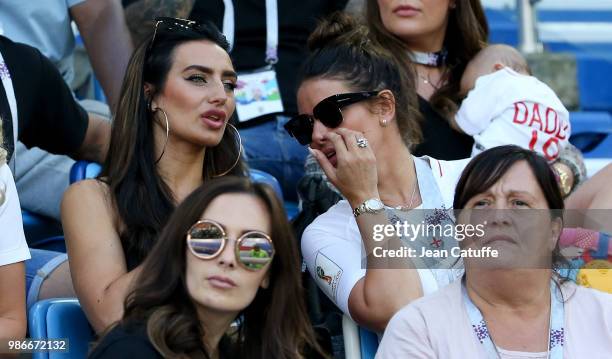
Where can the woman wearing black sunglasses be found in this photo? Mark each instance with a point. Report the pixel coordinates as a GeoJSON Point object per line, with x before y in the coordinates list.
{"type": "Point", "coordinates": [170, 134]}
{"type": "Point", "coordinates": [203, 274]}
{"type": "Point", "coordinates": [354, 120]}
{"type": "Point", "coordinates": [357, 120]}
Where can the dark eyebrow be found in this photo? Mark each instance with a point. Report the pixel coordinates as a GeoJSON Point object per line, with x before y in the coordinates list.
{"type": "Point", "coordinates": [511, 193]}
{"type": "Point", "coordinates": [524, 193]}
{"type": "Point", "coordinates": [207, 70]}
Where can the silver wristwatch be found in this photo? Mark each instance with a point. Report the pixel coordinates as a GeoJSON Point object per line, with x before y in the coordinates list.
{"type": "Point", "coordinates": [372, 205]}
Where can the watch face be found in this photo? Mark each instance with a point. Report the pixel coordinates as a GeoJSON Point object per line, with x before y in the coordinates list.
{"type": "Point", "coordinates": [374, 204]}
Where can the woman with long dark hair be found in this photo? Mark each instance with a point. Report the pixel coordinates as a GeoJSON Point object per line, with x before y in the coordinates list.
{"type": "Point", "coordinates": [227, 254]}
{"type": "Point", "coordinates": [357, 120]}
{"type": "Point", "coordinates": [169, 136]}
{"type": "Point", "coordinates": [432, 42]}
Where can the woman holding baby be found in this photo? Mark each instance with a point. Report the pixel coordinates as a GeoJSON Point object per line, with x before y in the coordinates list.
{"type": "Point", "coordinates": [438, 39]}
{"type": "Point", "coordinates": [356, 116]}
{"type": "Point", "coordinates": [432, 41]}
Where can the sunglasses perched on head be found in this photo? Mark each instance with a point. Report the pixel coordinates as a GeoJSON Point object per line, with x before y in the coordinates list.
{"type": "Point", "coordinates": [206, 239]}
{"type": "Point", "coordinates": [328, 111]}
{"type": "Point", "coordinates": [171, 24]}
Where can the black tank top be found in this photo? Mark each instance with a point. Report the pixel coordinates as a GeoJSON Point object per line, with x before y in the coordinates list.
{"type": "Point", "coordinates": [440, 140]}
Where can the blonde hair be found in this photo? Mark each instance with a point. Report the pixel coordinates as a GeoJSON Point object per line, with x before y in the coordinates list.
{"type": "Point", "coordinates": [3, 155]}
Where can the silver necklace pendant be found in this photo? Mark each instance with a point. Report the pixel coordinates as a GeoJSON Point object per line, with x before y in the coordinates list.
{"type": "Point", "coordinates": [409, 206]}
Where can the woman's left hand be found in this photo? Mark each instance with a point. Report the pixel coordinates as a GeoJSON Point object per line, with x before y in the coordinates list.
{"type": "Point", "coordinates": [355, 174]}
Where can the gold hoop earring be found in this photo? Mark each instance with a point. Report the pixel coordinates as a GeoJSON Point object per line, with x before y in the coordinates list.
{"type": "Point", "coordinates": [167, 132]}
{"type": "Point", "coordinates": [383, 123]}
{"type": "Point", "coordinates": [239, 151]}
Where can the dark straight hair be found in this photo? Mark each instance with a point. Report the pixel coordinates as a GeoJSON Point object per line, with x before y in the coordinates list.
{"type": "Point", "coordinates": [142, 198]}
{"type": "Point", "coordinates": [467, 33]}
{"type": "Point", "coordinates": [488, 167]}
{"type": "Point", "coordinates": [341, 49]}
{"type": "Point", "coordinates": [274, 325]}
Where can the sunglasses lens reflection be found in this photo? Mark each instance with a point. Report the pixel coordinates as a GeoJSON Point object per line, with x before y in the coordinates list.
{"type": "Point", "coordinates": [255, 251]}
{"type": "Point", "coordinates": [205, 239]}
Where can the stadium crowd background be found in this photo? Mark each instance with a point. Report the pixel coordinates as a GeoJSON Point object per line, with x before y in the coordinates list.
{"type": "Point", "coordinates": [74, 100]}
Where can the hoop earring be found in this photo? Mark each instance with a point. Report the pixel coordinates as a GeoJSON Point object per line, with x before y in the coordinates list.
{"type": "Point", "coordinates": [239, 151]}
{"type": "Point", "coordinates": [167, 132]}
{"type": "Point", "coordinates": [383, 123]}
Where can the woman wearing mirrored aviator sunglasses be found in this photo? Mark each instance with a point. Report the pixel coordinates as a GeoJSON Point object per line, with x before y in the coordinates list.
{"type": "Point", "coordinates": [227, 254]}
{"type": "Point", "coordinates": [361, 126]}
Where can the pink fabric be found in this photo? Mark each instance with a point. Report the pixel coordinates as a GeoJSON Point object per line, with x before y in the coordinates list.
{"type": "Point", "coordinates": [579, 237]}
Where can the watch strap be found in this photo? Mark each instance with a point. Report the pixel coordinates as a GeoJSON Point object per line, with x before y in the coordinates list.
{"type": "Point", "coordinates": [363, 208]}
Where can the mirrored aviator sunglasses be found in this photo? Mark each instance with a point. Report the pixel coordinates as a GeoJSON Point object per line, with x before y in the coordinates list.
{"type": "Point", "coordinates": [328, 111]}
{"type": "Point", "coordinates": [206, 240]}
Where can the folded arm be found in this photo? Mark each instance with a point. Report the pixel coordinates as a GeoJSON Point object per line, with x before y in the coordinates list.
{"type": "Point", "coordinates": [97, 261]}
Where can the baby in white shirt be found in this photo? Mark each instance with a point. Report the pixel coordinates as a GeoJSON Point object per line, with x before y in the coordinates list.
{"type": "Point", "coordinates": [506, 105]}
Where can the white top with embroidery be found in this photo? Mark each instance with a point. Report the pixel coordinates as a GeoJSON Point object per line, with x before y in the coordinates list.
{"type": "Point", "coordinates": [506, 107]}
{"type": "Point", "coordinates": [332, 245]}
{"type": "Point", "coordinates": [438, 326]}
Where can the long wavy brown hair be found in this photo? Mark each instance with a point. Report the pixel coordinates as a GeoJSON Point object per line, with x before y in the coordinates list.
{"type": "Point", "coordinates": [274, 325]}
{"type": "Point", "coordinates": [467, 32]}
{"type": "Point", "coordinates": [341, 48]}
{"type": "Point", "coordinates": [143, 199]}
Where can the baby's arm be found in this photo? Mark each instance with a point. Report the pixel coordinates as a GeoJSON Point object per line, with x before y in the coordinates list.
{"type": "Point", "coordinates": [476, 111]}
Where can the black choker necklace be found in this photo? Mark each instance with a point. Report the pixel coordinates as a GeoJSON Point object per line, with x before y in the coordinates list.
{"type": "Point", "coordinates": [434, 59]}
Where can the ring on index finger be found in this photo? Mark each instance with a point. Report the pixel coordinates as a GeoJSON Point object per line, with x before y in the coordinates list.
{"type": "Point", "coordinates": [362, 142]}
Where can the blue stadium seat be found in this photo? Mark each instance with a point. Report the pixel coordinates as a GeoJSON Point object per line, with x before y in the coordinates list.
{"type": "Point", "coordinates": [265, 177]}
{"type": "Point", "coordinates": [55, 243]}
{"type": "Point", "coordinates": [58, 319]}
{"type": "Point", "coordinates": [592, 133]}
{"type": "Point", "coordinates": [368, 342]}
{"type": "Point", "coordinates": [503, 27]}
{"type": "Point", "coordinates": [359, 343]}
{"type": "Point", "coordinates": [595, 81]}
{"type": "Point", "coordinates": [575, 15]}
{"type": "Point", "coordinates": [83, 169]}
{"type": "Point", "coordinates": [37, 228]}
{"type": "Point", "coordinates": [291, 208]}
